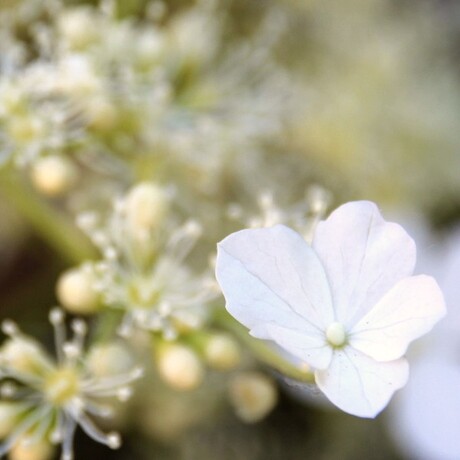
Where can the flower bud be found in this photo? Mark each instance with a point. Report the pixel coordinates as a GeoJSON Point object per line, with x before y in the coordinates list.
{"type": "Point", "coordinates": [75, 291]}
{"type": "Point", "coordinates": [145, 207]}
{"type": "Point", "coordinates": [78, 28]}
{"type": "Point", "coordinates": [180, 367]}
{"type": "Point", "coordinates": [53, 175]}
{"type": "Point", "coordinates": [253, 395]}
{"type": "Point", "coordinates": [24, 355]}
{"type": "Point", "coordinates": [38, 450]}
{"type": "Point", "coordinates": [109, 358]}
{"type": "Point", "coordinates": [222, 352]}
{"type": "Point", "coordinates": [149, 48]}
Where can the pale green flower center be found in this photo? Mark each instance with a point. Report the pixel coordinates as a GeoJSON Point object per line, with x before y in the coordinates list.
{"type": "Point", "coordinates": [62, 385]}
{"type": "Point", "coordinates": [336, 334]}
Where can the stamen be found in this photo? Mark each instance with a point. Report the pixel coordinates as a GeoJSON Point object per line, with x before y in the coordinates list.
{"type": "Point", "coordinates": [71, 350]}
{"type": "Point", "coordinates": [68, 425]}
{"type": "Point", "coordinates": [124, 393]}
{"type": "Point", "coordinates": [111, 439]}
{"type": "Point", "coordinates": [183, 240]}
{"type": "Point", "coordinates": [8, 390]}
{"type": "Point", "coordinates": [10, 328]}
{"type": "Point", "coordinates": [56, 318]}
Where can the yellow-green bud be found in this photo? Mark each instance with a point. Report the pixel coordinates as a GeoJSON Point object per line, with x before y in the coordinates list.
{"type": "Point", "coordinates": [222, 352]}
{"type": "Point", "coordinates": [38, 450]}
{"type": "Point", "coordinates": [25, 355]}
{"type": "Point", "coordinates": [75, 291]}
{"type": "Point", "coordinates": [53, 175]}
{"type": "Point", "coordinates": [253, 396]}
{"type": "Point", "coordinates": [180, 367]}
{"type": "Point", "coordinates": [109, 358]}
{"type": "Point", "coordinates": [145, 206]}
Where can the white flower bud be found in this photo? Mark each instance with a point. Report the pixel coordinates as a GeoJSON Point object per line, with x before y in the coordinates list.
{"type": "Point", "coordinates": [149, 48]}
{"type": "Point", "coordinates": [222, 352]}
{"type": "Point", "coordinates": [53, 175]}
{"type": "Point", "coordinates": [145, 207]}
{"type": "Point", "coordinates": [253, 396]}
{"type": "Point", "coordinates": [180, 367]}
{"type": "Point", "coordinates": [78, 28]}
{"type": "Point", "coordinates": [75, 291]}
{"type": "Point", "coordinates": [77, 76]}
{"type": "Point", "coordinates": [24, 355]}
{"type": "Point", "coordinates": [38, 450]}
{"type": "Point", "coordinates": [108, 359]}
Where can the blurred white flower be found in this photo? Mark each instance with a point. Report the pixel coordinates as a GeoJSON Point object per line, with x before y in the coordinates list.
{"type": "Point", "coordinates": [347, 305]}
{"type": "Point", "coordinates": [47, 400]}
{"type": "Point", "coordinates": [143, 270]}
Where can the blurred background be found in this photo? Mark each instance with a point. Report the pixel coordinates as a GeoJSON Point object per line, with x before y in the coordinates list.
{"type": "Point", "coordinates": [234, 107]}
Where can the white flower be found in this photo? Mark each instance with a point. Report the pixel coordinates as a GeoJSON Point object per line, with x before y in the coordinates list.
{"type": "Point", "coordinates": [46, 400]}
{"type": "Point", "coordinates": [347, 305]}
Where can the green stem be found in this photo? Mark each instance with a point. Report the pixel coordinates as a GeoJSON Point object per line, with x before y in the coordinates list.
{"type": "Point", "coordinates": [263, 351]}
{"type": "Point", "coordinates": [59, 231]}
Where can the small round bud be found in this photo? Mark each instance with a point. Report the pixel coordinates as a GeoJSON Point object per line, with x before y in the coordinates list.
{"type": "Point", "coordinates": [253, 396]}
{"type": "Point", "coordinates": [180, 367]}
{"type": "Point", "coordinates": [38, 450]}
{"type": "Point", "coordinates": [53, 175]}
{"type": "Point", "coordinates": [78, 28]}
{"type": "Point", "coordinates": [145, 207]}
{"type": "Point", "coordinates": [109, 359]}
{"type": "Point", "coordinates": [149, 48]}
{"type": "Point", "coordinates": [24, 355]}
{"type": "Point", "coordinates": [222, 352]}
{"type": "Point", "coordinates": [75, 291]}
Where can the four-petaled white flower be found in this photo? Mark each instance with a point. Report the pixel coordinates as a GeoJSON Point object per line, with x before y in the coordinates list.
{"type": "Point", "coordinates": [347, 305]}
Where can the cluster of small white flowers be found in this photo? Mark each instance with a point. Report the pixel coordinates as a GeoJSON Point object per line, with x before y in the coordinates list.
{"type": "Point", "coordinates": [143, 271]}
{"type": "Point", "coordinates": [115, 88]}
{"type": "Point", "coordinates": [45, 400]}
{"type": "Point", "coordinates": [302, 216]}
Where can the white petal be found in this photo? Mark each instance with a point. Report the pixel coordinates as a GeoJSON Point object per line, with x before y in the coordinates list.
{"type": "Point", "coordinates": [406, 312]}
{"type": "Point", "coordinates": [273, 275]}
{"type": "Point", "coordinates": [364, 257]}
{"type": "Point", "coordinates": [359, 385]}
{"type": "Point", "coordinates": [310, 348]}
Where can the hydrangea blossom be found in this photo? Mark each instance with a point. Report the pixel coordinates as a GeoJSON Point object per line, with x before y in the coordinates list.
{"type": "Point", "coordinates": [347, 304]}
